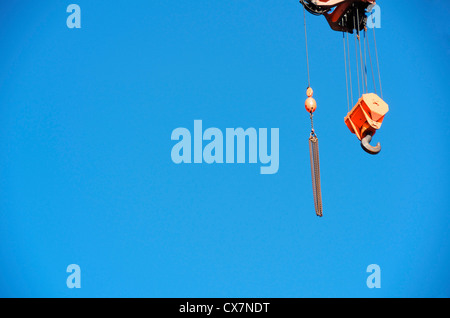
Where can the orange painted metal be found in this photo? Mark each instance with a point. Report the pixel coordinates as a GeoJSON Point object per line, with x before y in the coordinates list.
{"type": "Point", "coordinates": [310, 102]}
{"type": "Point", "coordinates": [310, 105]}
{"type": "Point", "coordinates": [367, 115]}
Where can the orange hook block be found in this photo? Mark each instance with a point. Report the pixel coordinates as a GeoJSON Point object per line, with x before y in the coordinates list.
{"type": "Point", "coordinates": [366, 118]}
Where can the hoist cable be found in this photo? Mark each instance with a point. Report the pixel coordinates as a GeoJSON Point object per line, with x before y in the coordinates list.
{"type": "Point", "coordinates": [313, 141]}
{"type": "Point", "coordinates": [360, 51]}
{"type": "Point", "coordinates": [306, 42]}
{"type": "Point", "coordinates": [378, 64]}
{"type": "Point", "coordinates": [371, 66]}
{"type": "Point", "coordinates": [350, 69]}
{"type": "Point", "coordinates": [365, 61]}
{"type": "Point", "coordinates": [346, 71]}
{"type": "Point", "coordinates": [357, 59]}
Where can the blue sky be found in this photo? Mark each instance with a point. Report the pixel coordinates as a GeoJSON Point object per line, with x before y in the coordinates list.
{"type": "Point", "coordinates": [86, 118]}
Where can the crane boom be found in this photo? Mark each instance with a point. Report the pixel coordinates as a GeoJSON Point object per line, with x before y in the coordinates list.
{"type": "Point", "coordinates": [342, 15]}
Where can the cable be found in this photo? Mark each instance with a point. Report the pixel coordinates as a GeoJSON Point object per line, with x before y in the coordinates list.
{"type": "Point", "coordinates": [306, 41]}
{"type": "Point", "coordinates": [360, 51]}
{"type": "Point", "coordinates": [350, 69]}
{"type": "Point", "coordinates": [357, 58]}
{"type": "Point", "coordinates": [346, 71]}
{"type": "Point", "coordinates": [378, 64]}
{"type": "Point", "coordinates": [365, 61]}
{"type": "Point", "coordinates": [371, 66]}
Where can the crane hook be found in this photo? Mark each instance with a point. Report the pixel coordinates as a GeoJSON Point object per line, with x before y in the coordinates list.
{"type": "Point", "coordinates": [367, 147]}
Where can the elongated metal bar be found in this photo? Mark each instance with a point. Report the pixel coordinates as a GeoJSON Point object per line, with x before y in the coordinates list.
{"type": "Point", "coordinates": [315, 173]}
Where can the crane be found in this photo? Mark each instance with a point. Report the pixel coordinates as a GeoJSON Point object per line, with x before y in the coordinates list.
{"type": "Point", "coordinates": [368, 113]}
